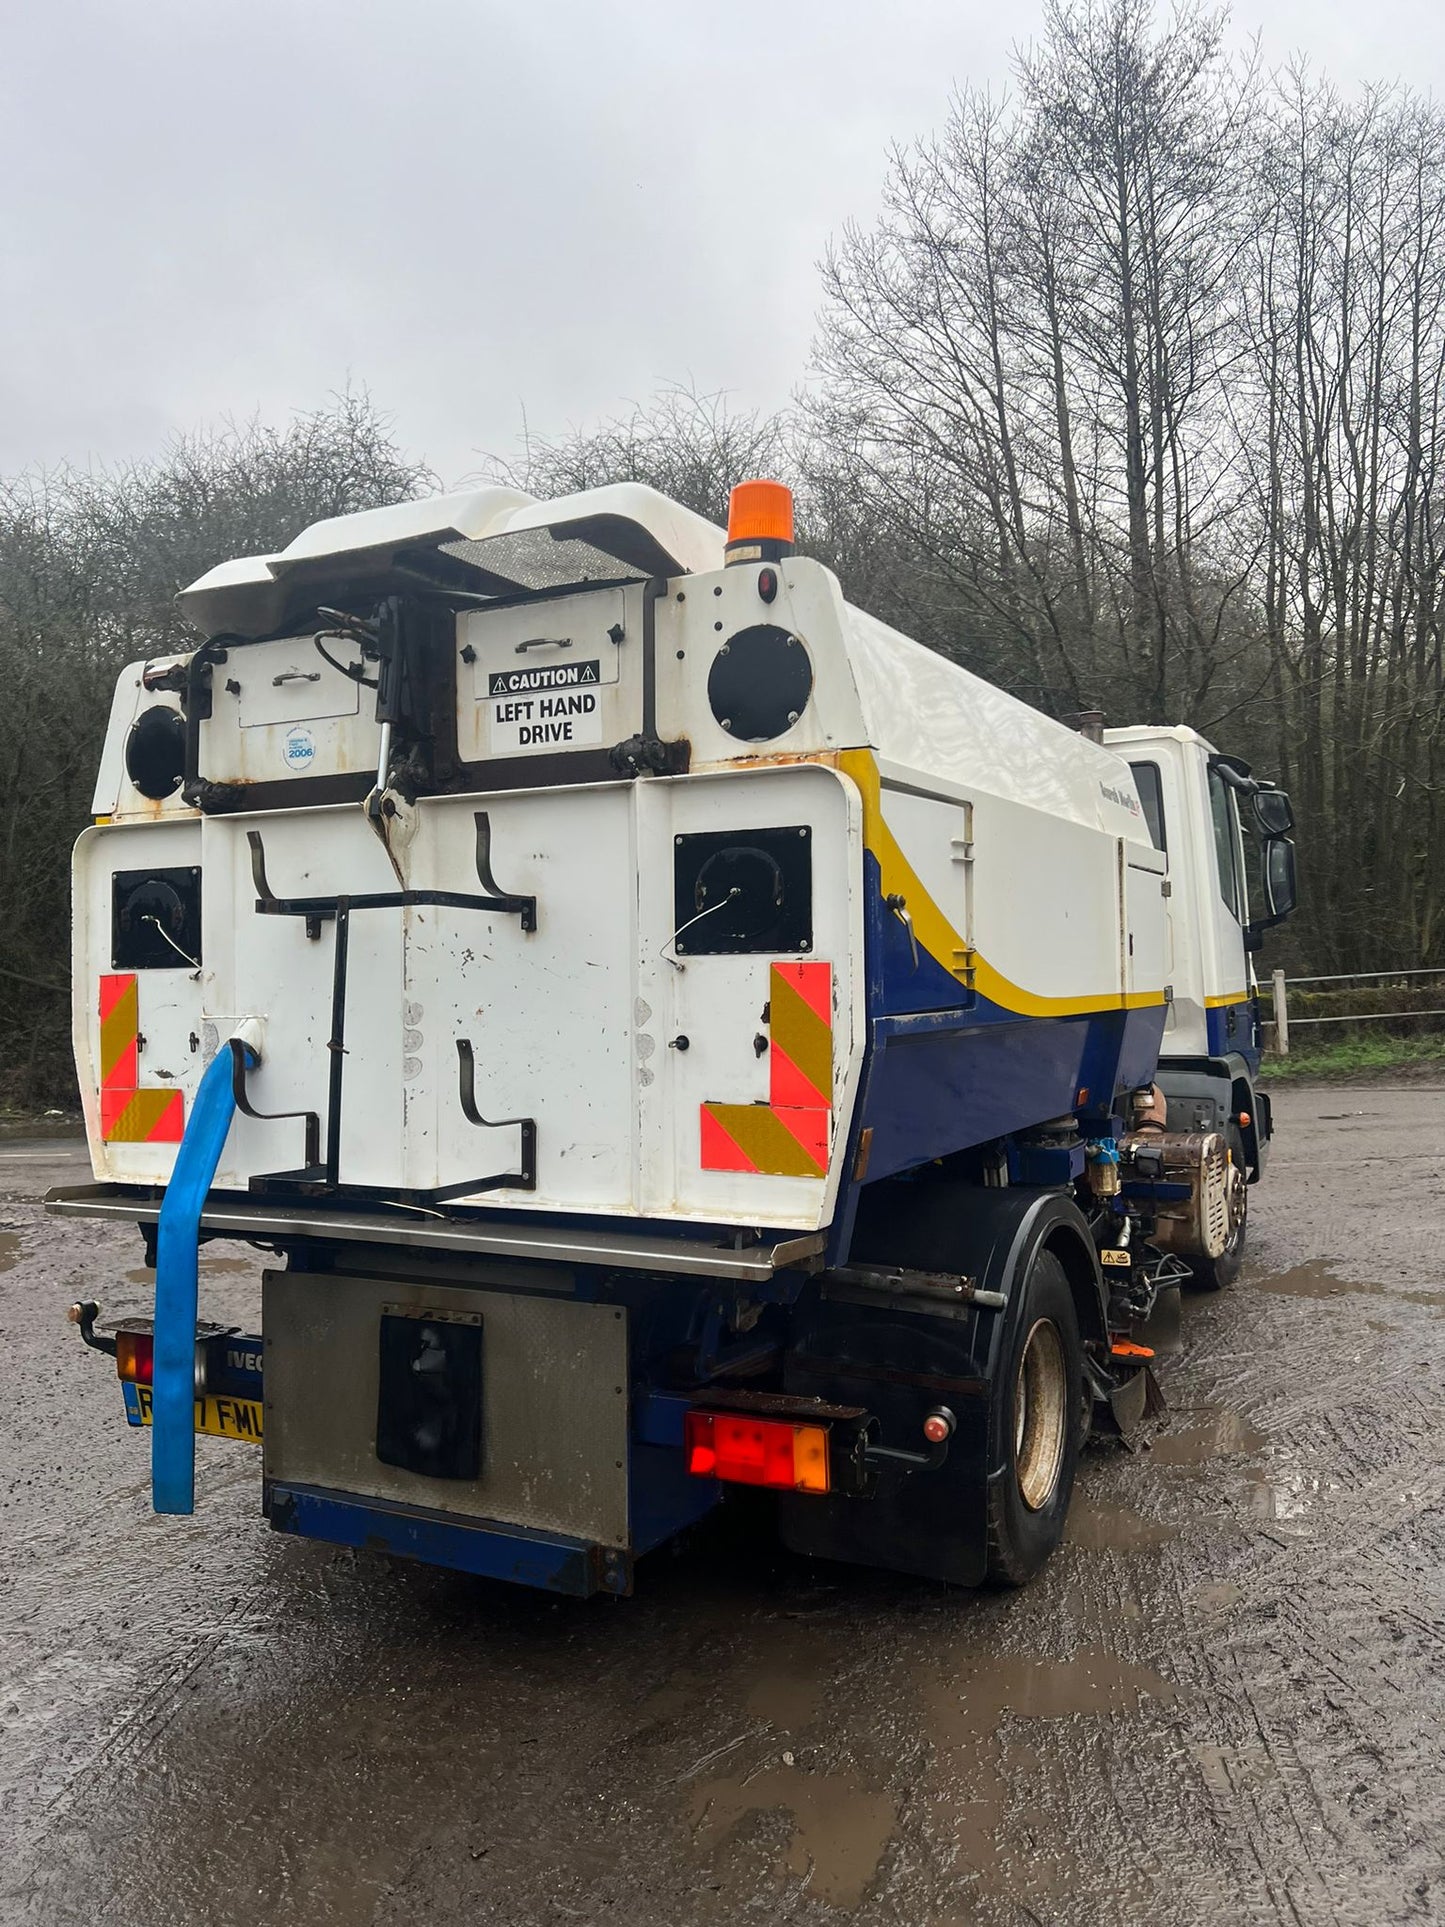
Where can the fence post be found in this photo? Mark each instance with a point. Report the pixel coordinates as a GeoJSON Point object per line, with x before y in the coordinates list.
{"type": "Point", "coordinates": [1281, 1015]}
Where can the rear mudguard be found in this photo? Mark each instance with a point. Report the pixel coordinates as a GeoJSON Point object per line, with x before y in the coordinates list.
{"type": "Point", "coordinates": [901, 1357]}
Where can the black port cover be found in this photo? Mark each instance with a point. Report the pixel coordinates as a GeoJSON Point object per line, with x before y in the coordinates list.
{"type": "Point", "coordinates": [155, 752]}
{"type": "Point", "coordinates": [737, 892]}
{"type": "Point", "coordinates": [759, 683]}
{"type": "Point", "coordinates": [155, 920]}
{"type": "Point", "coordinates": [429, 1395]}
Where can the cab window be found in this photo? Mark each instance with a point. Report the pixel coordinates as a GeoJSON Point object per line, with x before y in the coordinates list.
{"type": "Point", "coordinates": [1226, 844]}
{"type": "Point", "coordinates": [1151, 795]}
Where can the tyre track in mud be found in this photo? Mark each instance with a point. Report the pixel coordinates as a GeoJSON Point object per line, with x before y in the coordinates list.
{"type": "Point", "coordinates": [1346, 1725]}
{"type": "Point", "coordinates": [1223, 1701]}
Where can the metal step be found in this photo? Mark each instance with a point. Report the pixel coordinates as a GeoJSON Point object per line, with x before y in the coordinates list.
{"type": "Point", "coordinates": [629, 1247]}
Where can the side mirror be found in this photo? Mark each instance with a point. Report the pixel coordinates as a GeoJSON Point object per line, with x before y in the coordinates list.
{"type": "Point", "coordinates": [1281, 883]}
{"type": "Point", "coordinates": [1281, 889]}
{"type": "Point", "coordinates": [1272, 812]}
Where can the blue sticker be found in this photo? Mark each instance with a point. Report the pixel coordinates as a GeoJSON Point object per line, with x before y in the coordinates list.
{"type": "Point", "coordinates": [299, 749]}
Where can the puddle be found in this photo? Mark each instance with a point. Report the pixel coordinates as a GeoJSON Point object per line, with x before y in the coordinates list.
{"type": "Point", "coordinates": [1281, 1494]}
{"type": "Point", "coordinates": [997, 1826]}
{"type": "Point", "coordinates": [9, 1248]}
{"type": "Point", "coordinates": [1208, 1433]}
{"type": "Point", "coordinates": [786, 1688]}
{"type": "Point", "coordinates": [968, 1711]}
{"type": "Point", "coordinates": [1317, 1280]}
{"type": "Point", "coordinates": [1229, 1771]}
{"type": "Point", "coordinates": [840, 1832]}
{"type": "Point", "coordinates": [1096, 1527]}
{"type": "Point", "coordinates": [682, 1693]}
{"type": "Point", "coordinates": [787, 1667]}
{"type": "Point", "coordinates": [1219, 1595]}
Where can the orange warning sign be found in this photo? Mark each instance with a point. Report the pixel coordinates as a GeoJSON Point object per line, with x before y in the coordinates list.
{"type": "Point", "coordinates": [130, 1114]}
{"type": "Point", "coordinates": [789, 1135]}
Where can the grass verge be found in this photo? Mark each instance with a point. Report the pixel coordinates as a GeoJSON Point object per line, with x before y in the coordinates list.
{"type": "Point", "coordinates": [1354, 1056]}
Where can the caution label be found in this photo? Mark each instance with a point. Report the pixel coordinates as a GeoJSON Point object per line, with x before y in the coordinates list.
{"type": "Point", "coordinates": [554, 675]}
{"type": "Point", "coordinates": [556, 719]}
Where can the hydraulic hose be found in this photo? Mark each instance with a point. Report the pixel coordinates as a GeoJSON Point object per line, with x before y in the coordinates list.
{"type": "Point", "coordinates": [173, 1388]}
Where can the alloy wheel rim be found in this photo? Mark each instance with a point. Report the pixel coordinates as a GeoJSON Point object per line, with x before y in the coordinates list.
{"type": "Point", "coordinates": [1040, 1415]}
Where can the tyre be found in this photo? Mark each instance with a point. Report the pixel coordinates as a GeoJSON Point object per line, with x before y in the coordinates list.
{"type": "Point", "coordinates": [1213, 1274]}
{"type": "Point", "coordinates": [1036, 1426]}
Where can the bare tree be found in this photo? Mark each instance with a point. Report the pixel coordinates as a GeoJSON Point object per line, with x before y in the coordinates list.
{"type": "Point", "coordinates": [692, 447]}
{"type": "Point", "coordinates": [1024, 360]}
{"type": "Point", "coordinates": [1346, 324]}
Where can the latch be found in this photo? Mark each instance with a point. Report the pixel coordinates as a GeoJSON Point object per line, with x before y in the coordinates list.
{"type": "Point", "coordinates": [899, 906]}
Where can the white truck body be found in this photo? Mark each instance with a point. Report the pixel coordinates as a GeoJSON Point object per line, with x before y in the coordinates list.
{"type": "Point", "coordinates": [1021, 850]}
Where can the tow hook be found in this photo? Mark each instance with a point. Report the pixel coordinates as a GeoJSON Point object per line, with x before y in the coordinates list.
{"type": "Point", "coordinates": [939, 1426]}
{"type": "Point", "coordinates": [83, 1316]}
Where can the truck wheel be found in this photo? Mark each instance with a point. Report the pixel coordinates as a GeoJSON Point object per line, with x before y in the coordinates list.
{"type": "Point", "coordinates": [1035, 1426]}
{"type": "Point", "coordinates": [1213, 1274]}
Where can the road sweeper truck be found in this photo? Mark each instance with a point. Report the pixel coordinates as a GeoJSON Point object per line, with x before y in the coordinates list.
{"type": "Point", "coordinates": [671, 1032]}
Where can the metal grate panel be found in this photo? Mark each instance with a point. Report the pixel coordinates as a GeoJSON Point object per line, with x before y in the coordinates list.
{"type": "Point", "coordinates": [554, 1401]}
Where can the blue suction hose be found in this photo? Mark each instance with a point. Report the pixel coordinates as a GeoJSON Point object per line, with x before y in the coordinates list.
{"type": "Point", "coordinates": [173, 1389]}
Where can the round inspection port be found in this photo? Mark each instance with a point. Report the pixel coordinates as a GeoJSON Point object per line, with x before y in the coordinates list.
{"type": "Point", "coordinates": [155, 752]}
{"type": "Point", "coordinates": [760, 682]}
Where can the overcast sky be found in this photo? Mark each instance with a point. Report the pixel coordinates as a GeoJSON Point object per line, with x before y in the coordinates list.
{"type": "Point", "coordinates": [478, 210]}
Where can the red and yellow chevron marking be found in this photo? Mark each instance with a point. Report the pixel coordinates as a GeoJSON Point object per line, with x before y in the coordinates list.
{"type": "Point", "coordinates": [788, 1136]}
{"type": "Point", "coordinates": [129, 1114]}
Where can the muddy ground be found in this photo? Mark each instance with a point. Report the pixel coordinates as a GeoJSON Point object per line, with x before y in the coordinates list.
{"type": "Point", "coordinates": [1224, 1701]}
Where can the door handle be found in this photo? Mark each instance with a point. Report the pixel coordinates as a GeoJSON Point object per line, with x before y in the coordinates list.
{"type": "Point", "coordinates": [899, 906]}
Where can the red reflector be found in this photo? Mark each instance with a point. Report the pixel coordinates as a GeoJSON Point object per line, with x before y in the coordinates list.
{"type": "Point", "coordinates": [757, 1451]}
{"type": "Point", "coordinates": [134, 1356]}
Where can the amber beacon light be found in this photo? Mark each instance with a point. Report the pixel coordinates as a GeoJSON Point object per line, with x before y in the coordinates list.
{"type": "Point", "coordinates": [760, 522]}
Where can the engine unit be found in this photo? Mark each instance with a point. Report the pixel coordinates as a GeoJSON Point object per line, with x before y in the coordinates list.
{"type": "Point", "coordinates": [1198, 1190]}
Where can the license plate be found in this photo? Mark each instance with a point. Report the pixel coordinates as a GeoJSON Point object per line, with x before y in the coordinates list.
{"type": "Point", "coordinates": [223, 1418]}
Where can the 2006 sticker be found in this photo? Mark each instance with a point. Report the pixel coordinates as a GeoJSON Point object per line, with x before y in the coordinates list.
{"type": "Point", "coordinates": [299, 749]}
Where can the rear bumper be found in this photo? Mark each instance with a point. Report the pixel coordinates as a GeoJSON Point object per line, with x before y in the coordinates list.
{"type": "Point", "coordinates": [488, 1549]}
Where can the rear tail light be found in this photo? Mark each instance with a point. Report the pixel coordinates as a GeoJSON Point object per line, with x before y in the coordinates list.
{"type": "Point", "coordinates": [757, 1451]}
{"type": "Point", "coordinates": [135, 1352]}
{"type": "Point", "coordinates": [135, 1355]}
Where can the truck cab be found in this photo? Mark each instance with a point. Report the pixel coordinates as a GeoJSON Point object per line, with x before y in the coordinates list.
{"type": "Point", "coordinates": [1218, 825]}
